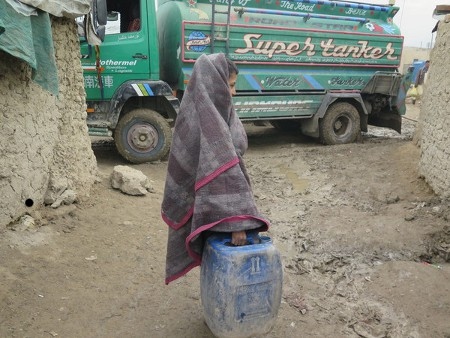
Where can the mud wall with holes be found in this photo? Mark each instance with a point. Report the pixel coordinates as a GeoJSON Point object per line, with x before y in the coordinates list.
{"type": "Point", "coordinates": [44, 144]}
{"type": "Point", "coordinates": [434, 120]}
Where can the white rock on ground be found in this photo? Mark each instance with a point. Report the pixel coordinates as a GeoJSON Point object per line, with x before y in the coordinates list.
{"type": "Point", "coordinates": [130, 181]}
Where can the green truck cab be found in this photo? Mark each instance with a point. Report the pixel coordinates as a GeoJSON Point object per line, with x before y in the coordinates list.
{"type": "Point", "coordinates": [325, 68]}
{"type": "Point", "coordinates": [126, 98]}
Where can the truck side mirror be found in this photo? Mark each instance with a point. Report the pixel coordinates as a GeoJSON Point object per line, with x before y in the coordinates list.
{"type": "Point", "coordinates": [93, 26]}
{"type": "Point", "coordinates": [100, 12]}
{"type": "Point", "coordinates": [101, 32]}
{"type": "Point", "coordinates": [99, 19]}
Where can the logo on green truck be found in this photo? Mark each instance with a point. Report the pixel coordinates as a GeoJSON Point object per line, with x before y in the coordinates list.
{"type": "Point", "coordinates": [198, 41]}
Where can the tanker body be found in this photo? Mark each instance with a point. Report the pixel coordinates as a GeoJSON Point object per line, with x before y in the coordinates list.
{"type": "Point", "coordinates": [326, 68]}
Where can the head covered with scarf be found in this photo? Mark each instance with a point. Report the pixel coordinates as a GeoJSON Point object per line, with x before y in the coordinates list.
{"type": "Point", "coordinates": [207, 187]}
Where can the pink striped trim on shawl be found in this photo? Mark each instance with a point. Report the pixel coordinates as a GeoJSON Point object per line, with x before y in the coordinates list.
{"type": "Point", "coordinates": [182, 273]}
{"type": "Point", "coordinates": [175, 225]}
{"type": "Point", "coordinates": [216, 173]}
{"type": "Point", "coordinates": [198, 185]}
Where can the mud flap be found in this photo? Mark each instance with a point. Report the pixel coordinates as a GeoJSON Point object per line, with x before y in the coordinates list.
{"type": "Point", "coordinates": [387, 120]}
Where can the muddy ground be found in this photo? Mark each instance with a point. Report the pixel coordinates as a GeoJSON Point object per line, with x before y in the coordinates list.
{"type": "Point", "coordinates": [362, 238]}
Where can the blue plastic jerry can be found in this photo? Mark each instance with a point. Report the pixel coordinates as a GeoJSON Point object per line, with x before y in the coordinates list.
{"type": "Point", "coordinates": [240, 286]}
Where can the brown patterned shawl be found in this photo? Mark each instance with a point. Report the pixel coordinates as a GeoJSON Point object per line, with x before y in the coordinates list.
{"type": "Point", "coordinates": [207, 186]}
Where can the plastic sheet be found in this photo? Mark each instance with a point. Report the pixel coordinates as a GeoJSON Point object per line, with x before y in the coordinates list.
{"type": "Point", "coordinates": [69, 9]}
{"type": "Point", "coordinates": [29, 38]}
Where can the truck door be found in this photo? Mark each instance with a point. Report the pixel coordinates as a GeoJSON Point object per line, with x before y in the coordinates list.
{"type": "Point", "coordinates": [124, 53]}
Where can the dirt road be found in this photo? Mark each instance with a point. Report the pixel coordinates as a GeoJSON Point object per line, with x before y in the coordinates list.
{"type": "Point", "coordinates": [362, 238]}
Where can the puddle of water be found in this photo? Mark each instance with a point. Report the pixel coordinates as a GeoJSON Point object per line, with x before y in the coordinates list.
{"type": "Point", "coordinates": [299, 184]}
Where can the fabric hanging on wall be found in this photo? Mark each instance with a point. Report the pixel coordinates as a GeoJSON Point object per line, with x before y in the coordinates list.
{"type": "Point", "coordinates": [22, 8]}
{"type": "Point", "coordinates": [2, 27]}
{"type": "Point", "coordinates": [29, 38]}
{"type": "Point", "coordinates": [69, 9]}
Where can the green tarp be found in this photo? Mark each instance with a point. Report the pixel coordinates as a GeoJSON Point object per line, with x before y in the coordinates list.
{"type": "Point", "coordinates": [29, 38]}
{"type": "Point", "coordinates": [2, 27]}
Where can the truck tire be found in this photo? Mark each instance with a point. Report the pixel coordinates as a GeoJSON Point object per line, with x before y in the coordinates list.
{"type": "Point", "coordinates": [341, 124]}
{"type": "Point", "coordinates": [143, 135]}
{"type": "Point", "coordinates": [286, 125]}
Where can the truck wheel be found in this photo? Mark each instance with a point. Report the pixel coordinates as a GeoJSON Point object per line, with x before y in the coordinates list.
{"type": "Point", "coordinates": [286, 125]}
{"type": "Point", "coordinates": [341, 124]}
{"type": "Point", "coordinates": [143, 135]}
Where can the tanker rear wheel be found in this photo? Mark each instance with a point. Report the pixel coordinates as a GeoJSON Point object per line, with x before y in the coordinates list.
{"type": "Point", "coordinates": [340, 125]}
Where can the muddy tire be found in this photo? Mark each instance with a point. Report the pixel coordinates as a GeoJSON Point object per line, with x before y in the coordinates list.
{"type": "Point", "coordinates": [340, 125]}
{"type": "Point", "coordinates": [143, 135]}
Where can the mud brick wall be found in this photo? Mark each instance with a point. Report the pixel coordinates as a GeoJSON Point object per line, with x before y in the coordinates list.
{"type": "Point", "coordinates": [43, 138]}
{"type": "Point", "coordinates": [434, 121]}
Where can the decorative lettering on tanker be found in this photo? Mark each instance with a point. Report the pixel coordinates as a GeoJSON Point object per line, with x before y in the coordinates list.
{"type": "Point", "coordinates": [293, 23]}
{"type": "Point", "coordinates": [356, 11]}
{"type": "Point", "coordinates": [295, 82]}
{"type": "Point", "coordinates": [270, 48]}
{"type": "Point", "coordinates": [341, 81]}
{"type": "Point", "coordinates": [362, 50]}
{"type": "Point", "coordinates": [328, 49]}
{"type": "Point", "coordinates": [259, 58]}
{"type": "Point", "coordinates": [296, 6]}
{"type": "Point", "coordinates": [334, 26]}
{"type": "Point", "coordinates": [281, 81]}
{"type": "Point", "coordinates": [251, 107]}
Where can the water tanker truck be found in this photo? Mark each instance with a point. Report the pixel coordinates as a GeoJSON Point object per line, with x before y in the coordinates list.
{"type": "Point", "coordinates": [327, 69]}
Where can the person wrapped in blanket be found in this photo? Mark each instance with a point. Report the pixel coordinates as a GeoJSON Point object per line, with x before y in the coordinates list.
{"type": "Point", "coordinates": [207, 187]}
{"type": "Point", "coordinates": [420, 81]}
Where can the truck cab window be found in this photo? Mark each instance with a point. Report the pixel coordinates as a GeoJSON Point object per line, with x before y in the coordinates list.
{"type": "Point", "coordinates": [123, 16]}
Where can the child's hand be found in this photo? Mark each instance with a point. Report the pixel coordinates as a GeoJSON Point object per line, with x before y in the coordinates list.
{"type": "Point", "coordinates": [239, 238]}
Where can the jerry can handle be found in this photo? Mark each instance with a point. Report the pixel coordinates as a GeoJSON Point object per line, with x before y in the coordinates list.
{"type": "Point", "coordinates": [252, 238]}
